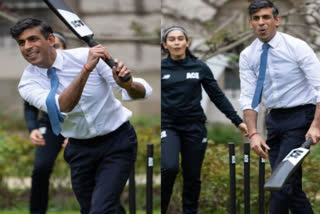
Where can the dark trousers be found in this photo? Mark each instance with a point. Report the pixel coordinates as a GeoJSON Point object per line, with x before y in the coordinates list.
{"type": "Point", "coordinates": [45, 157]}
{"type": "Point", "coordinates": [100, 167]}
{"type": "Point", "coordinates": [189, 140]}
{"type": "Point", "coordinates": [286, 131]}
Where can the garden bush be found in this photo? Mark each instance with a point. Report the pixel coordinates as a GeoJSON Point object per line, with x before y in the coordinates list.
{"type": "Point", "coordinates": [17, 153]}
{"type": "Point", "coordinates": [17, 156]}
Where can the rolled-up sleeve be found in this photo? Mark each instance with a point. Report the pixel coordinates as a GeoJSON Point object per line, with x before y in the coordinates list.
{"type": "Point", "coordinates": [248, 82]}
{"type": "Point", "coordinates": [106, 72]}
{"type": "Point", "coordinates": [147, 87]}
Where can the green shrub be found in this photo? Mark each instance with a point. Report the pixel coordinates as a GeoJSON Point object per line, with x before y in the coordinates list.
{"type": "Point", "coordinates": [222, 133]}
{"type": "Point", "coordinates": [17, 157]}
{"type": "Point", "coordinates": [9, 121]}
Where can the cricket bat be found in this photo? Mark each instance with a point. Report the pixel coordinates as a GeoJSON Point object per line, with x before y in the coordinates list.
{"type": "Point", "coordinates": [77, 26]}
{"type": "Point", "coordinates": [287, 166]}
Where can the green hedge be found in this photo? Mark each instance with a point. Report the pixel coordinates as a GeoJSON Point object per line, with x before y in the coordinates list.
{"type": "Point", "coordinates": [17, 153]}
{"type": "Point", "coordinates": [17, 156]}
{"type": "Point", "coordinates": [222, 133]}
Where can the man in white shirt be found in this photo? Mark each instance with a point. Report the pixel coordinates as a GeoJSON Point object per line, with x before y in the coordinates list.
{"type": "Point", "coordinates": [286, 71]}
{"type": "Point", "coordinates": [102, 143]}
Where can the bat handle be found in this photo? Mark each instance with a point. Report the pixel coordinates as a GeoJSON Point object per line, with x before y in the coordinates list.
{"type": "Point", "coordinates": [110, 62]}
{"type": "Point", "coordinates": [307, 143]}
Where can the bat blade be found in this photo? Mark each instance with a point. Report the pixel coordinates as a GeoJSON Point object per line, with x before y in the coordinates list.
{"type": "Point", "coordinates": [78, 27]}
{"type": "Point", "coordinates": [71, 20]}
{"type": "Point", "coordinates": [287, 167]}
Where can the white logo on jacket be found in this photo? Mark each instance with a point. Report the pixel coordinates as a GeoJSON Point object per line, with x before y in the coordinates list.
{"type": "Point", "coordinates": [192, 75]}
{"type": "Point", "coordinates": [166, 76]}
{"type": "Point", "coordinates": [163, 134]}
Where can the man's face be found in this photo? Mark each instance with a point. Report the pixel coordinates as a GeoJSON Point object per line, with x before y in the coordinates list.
{"type": "Point", "coordinates": [264, 24]}
{"type": "Point", "coordinates": [35, 48]}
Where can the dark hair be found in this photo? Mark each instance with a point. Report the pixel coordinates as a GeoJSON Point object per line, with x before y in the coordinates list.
{"type": "Point", "coordinates": [28, 23]}
{"type": "Point", "coordinates": [62, 38]}
{"type": "Point", "coordinates": [256, 5]}
{"type": "Point", "coordinates": [164, 40]}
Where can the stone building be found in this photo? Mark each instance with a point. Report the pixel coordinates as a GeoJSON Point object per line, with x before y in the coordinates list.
{"type": "Point", "coordinates": [128, 28]}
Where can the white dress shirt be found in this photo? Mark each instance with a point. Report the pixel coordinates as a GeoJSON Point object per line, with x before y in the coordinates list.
{"type": "Point", "coordinates": [292, 75]}
{"type": "Point", "coordinates": [98, 111]}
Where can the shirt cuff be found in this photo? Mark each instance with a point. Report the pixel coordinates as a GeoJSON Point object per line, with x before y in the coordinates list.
{"type": "Point", "coordinates": [318, 97]}
{"type": "Point", "coordinates": [65, 115]}
{"type": "Point", "coordinates": [248, 106]}
{"type": "Point", "coordinates": [57, 101]}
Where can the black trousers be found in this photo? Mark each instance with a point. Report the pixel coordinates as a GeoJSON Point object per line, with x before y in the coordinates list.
{"type": "Point", "coordinates": [189, 140]}
{"type": "Point", "coordinates": [100, 167]}
{"type": "Point", "coordinates": [286, 131]}
{"type": "Point", "coordinates": [45, 157]}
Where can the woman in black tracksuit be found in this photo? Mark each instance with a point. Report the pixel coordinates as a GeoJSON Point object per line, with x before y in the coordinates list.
{"type": "Point", "coordinates": [182, 118]}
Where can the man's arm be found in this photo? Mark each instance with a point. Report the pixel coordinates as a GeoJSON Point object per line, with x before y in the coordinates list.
{"type": "Point", "coordinates": [135, 89]}
{"type": "Point", "coordinates": [70, 97]}
{"type": "Point", "coordinates": [258, 145]}
{"type": "Point", "coordinates": [314, 130]}
{"type": "Point", "coordinates": [309, 64]}
{"type": "Point", "coordinates": [248, 85]}
{"type": "Point", "coordinates": [31, 117]}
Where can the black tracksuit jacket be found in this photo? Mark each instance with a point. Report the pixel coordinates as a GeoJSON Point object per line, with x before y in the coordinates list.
{"type": "Point", "coordinates": [181, 82]}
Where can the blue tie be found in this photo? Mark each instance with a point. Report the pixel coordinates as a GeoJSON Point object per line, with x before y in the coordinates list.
{"type": "Point", "coordinates": [262, 72]}
{"type": "Point", "coordinates": [55, 116]}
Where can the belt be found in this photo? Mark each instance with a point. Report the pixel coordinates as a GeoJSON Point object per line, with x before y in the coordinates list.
{"type": "Point", "coordinates": [100, 138]}
{"type": "Point", "coordinates": [293, 109]}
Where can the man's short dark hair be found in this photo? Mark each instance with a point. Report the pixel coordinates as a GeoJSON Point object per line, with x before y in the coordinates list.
{"type": "Point", "coordinates": [256, 5]}
{"type": "Point", "coordinates": [28, 23]}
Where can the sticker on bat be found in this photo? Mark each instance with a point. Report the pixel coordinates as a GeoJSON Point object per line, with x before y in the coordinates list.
{"type": "Point", "coordinates": [76, 23]}
{"type": "Point", "coordinates": [296, 155]}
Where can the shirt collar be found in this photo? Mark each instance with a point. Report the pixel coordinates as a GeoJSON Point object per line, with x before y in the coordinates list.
{"type": "Point", "coordinates": [58, 63]}
{"type": "Point", "coordinates": [274, 42]}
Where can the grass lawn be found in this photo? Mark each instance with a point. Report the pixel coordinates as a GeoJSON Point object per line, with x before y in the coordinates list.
{"type": "Point", "coordinates": [67, 212]}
